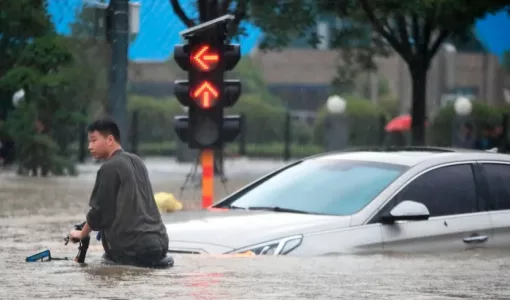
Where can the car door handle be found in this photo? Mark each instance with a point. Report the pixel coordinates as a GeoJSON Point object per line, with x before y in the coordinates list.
{"type": "Point", "coordinates": [477, 239]}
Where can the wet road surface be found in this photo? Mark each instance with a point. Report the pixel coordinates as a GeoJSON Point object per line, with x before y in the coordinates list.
{"type": "Point", "coordinates": [36, 213]}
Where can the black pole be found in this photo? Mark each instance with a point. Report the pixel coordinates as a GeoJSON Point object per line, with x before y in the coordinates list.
{"type": "Point", "coordinates": [82, 151]}
{"type": "Point", "coordinates": [242, 135]}
{"type": "Point", "coordinates": [134, 131]}
{"type": "Point", "coordinates": [505, 143]}
{"type": "Point", "coordinates": [116, 107]}
{"type": "Point", "coordinates": [382, 132]}
{"type": "Point", "coordinates": [286, 137]}
{"type": "Point", "coordinates": [219, 161]}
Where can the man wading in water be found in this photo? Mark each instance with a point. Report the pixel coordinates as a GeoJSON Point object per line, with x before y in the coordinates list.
{"type": "Point", "coordinates": [122, 205]}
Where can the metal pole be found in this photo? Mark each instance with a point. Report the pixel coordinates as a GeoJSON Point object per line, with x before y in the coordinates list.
{"type": "Point", "coordinates": [242, 137]}
{"type": "Point", "coordinates": [287, 136]}
{"type": "Point", "coordinates": [503, 147]}
{"type": "Point", "coordinates": [134, 131]}
{"type": "Point", "coordinates": [119, 41]}
{"type": "Point", "coordinates": [382, 132]}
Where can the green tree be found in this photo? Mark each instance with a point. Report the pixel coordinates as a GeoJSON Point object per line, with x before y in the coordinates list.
{"type": "Point", "coordinates": [44, 70]}
{"type": "Point", "coordinates": [20, 22]}
{"type": "Point", "coordinates": [38, 62]}
{"type": "Point", "coordinates": [415, 29]}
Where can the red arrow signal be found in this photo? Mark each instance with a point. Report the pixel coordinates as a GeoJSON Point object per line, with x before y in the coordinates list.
{"type": "Point", "coordinates": [204, 59]}
{"type": "Point", "coordinates": [206, 93]}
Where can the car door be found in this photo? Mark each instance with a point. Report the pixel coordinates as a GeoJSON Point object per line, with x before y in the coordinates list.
{"type": "Point", "coordinates": [457, 220]}
{"type": "Point", "coordinates": [497, 178]}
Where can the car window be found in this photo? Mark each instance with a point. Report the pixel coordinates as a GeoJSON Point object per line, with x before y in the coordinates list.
{"type": "Point", "coordinates": [336, 187]}
{"type": "Point", "coordinates": [498, 178]}
{"type": "Point", "coordinates": [447, 190]}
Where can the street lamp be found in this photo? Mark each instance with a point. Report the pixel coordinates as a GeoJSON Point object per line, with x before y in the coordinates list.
{"type": "Point", "coordinates": [18, 97]}
{"type": "Point", "coordinates": [463, 106]}
{"type": "Point", "coordinates": [336, 105]}
{"type": "Point", "coordinates": [450, 48]}
{"type": "Point", "coordinates": [336, 131]}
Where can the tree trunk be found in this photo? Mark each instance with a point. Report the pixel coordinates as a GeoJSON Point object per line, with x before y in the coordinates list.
{"type": "Point", "coordinates": [419, 104]}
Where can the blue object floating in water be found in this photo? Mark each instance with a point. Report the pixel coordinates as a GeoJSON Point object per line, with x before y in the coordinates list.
{"type": "Point", "coordinates": [39, 256]}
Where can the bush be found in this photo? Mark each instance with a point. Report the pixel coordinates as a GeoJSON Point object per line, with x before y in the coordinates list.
{"type": "Point", "coordinates": [155, 118]}
{"type": "Point", "coordinates": [265, 121]}
{"type": "Point", "coordinates": [440, 131]}
{"type": "Point", "coordinates": [272, 150]}
{"type": "Point", "coordinates": [36, 152]}
{"type": "Point", "coordinates": [366, 122]}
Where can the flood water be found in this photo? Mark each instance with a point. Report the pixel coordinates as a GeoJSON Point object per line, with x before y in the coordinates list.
{"type": "Point", "coordinates": [36, 213]}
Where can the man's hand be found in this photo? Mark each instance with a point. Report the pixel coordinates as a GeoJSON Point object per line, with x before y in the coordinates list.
{"type": "Point", "coordinates": [76, 235]}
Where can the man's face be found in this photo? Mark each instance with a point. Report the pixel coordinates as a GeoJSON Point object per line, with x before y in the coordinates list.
{"type": "Point", "coordinates": [99, 145]}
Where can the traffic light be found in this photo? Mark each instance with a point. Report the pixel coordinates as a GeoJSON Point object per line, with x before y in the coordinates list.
{"type": "Point", "coordinates": [206, 93]}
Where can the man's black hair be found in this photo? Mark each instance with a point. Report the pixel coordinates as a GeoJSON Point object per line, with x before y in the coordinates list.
{"type": "Point", "coordinates": [105, 126]}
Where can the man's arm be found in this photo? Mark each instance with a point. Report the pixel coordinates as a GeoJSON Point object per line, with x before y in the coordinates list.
{"type": "Point", "coordinates": [85, 231]}
{"type": "Point", "coordinates": [102, 200]}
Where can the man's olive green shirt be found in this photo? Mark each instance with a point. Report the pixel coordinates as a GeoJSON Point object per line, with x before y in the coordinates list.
{"type": "Point", "coordinates": [123, 208]}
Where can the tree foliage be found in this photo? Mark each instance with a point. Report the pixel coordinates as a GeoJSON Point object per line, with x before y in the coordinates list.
{"type": "Point", "coordinates": [20, 22]}
{"type": "Point", "coordinates": [38, 62]}
{"type": "Point", "coordinates": [44, 70]}
{"type": "Point", "coordinates": [414, 29]}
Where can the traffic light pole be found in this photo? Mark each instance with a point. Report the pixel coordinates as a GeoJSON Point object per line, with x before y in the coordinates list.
{"type": "Point", "coordinates": [207, 162]}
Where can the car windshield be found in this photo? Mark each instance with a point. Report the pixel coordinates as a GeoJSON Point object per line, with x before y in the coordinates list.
{"type": "Point", "coordinates": [321, 186]}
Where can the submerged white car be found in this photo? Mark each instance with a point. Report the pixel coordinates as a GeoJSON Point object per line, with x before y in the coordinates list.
{"type": "Point", "coordinates": [406, 199]}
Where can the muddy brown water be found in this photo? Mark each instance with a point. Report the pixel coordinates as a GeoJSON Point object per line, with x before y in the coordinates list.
{"type": "Point", "coordinates": [36, 213]}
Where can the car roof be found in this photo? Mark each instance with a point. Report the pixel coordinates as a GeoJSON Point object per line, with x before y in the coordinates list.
{"type": "Point", "coordinates": [411, 156]}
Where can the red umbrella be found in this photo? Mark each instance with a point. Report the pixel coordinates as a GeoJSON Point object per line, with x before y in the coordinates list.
{"type": "Point", "coordinates": [400, 123]}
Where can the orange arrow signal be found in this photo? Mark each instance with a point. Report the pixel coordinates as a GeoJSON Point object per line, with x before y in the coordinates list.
{"type": "Point", "coordinates": [205, 92]}
{"type": "Point", "coordinates": [204, 59]}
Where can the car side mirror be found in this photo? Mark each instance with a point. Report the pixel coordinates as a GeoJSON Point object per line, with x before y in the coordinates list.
{"type": "Point", "coordinates": [406, 211]}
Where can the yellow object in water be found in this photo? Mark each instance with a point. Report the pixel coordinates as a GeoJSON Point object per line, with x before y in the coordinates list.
{"type": "Point", "coordinates": [246, 253]}
{"type": "Point", "coordinates": [166, 202]}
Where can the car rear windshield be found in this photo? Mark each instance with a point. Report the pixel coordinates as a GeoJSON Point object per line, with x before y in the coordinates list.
{"type": "Point", "coordinates": [321, 186]}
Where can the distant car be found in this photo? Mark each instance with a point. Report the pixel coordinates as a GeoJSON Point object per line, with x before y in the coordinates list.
{"type": "Point", "coordinates": [403, 200]}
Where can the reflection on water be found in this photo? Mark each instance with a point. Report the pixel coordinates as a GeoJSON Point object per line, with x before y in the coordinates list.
{"type": "Point", "coordinates": [31, 221]}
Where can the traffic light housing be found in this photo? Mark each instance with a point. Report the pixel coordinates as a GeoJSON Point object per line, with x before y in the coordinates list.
{"type": "Point", "coordinates": [206, 93]}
